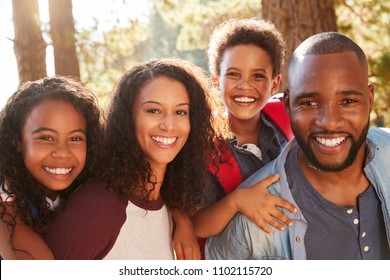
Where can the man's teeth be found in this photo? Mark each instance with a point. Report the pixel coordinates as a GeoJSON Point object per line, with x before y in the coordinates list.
{"type": "Point", "coordinates": [58, 171]}
{"type": "Point", "coordinates": [244, 99]}
{"type": "Point", "coordinates": [164, 140]}
{"type": "Point", "coordinates": [330, 142]}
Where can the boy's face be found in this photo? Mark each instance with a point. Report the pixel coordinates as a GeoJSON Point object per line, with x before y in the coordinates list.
{"type": "Point", "coordinates": [54, 144]}
{"type": "Point", "coordinates": [330, 103]}
{"type": "Point", "coordinates": [246, 81]}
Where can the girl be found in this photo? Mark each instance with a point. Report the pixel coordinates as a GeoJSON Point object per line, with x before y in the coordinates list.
{"type": "Point", "coordinates": [245, 60]}
{"type": "Point", "coordinates": [159, 137]}
{"type": "Point", "coordinates": [50, 130]}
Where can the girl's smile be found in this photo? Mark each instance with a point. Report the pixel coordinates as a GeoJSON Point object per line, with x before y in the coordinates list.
{"type": "Point", "coordinates": [54, 144]}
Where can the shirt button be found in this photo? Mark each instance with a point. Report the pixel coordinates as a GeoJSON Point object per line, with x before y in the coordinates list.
{"type": "Point", "coordinates": [366, 248]}
{"type": "Point", "coordinates": [298, 239]}
{"type": "Point", "coordinates": [356, 221]}
{"type": "Point", "coordinates": [350, 211]}
{"type": "Point", "coordinates": [364, 234]}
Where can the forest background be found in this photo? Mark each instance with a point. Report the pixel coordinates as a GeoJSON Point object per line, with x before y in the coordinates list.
{"type": "Point", "coordinates": [132, 31]}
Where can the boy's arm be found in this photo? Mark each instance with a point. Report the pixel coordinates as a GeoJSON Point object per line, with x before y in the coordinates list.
{"type": "Point", "coordinates": [255, 202]}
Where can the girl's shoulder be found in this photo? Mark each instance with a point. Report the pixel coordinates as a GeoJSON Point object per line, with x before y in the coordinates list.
{"type": "Point", "coordinates": [97, 192]}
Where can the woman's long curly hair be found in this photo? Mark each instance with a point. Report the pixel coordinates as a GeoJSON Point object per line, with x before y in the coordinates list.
{"type": "Point", "coordinates": [15, 179]}
{"type": "Point", "coordinates": [125, 168]}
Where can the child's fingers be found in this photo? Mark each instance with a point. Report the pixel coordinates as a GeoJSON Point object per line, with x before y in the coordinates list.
{"type": "Point", "coordinates": [191, 252]}
{"type": "Point", "coordinates": [282, 219]}
{"type": "Point", "coordinates": [188, 253]}
{"type": "Point", "coordinates": [284, 204]}
{"type": "Point", "coordinates": [272, 221]}
{"type": "Point", "coordinates": [268, 181]}
{"type": "Point", "coordinates": [287, 205]}
{"type": "Point", "coordinates": [179, 251]}
{"type": "Point", "coordinates": [275, 219]}
{"type": "Point", "coordinates": [179, 254]}
{"type": "Point", "coordinates": [196, 255]}
{"type": "Point", "coordinates": [263, 226]}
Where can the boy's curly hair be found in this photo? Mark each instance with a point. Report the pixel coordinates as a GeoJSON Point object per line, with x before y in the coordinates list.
{"type": "Point", "coordinates": [234, 32]}
{"type": "Point", "coordinates": [15, 179]}
{"type": "Point", "coordinates": [125, 168]}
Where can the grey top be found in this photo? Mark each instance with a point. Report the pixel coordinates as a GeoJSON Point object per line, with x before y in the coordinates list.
{"type": "Point", "coordinates": [330, 227]}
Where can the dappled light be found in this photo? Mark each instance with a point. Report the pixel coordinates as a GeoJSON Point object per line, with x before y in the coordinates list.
{"type": "Point", "coordinates": [99, 40]}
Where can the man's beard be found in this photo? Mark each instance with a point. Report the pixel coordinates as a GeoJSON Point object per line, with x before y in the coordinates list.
{"type": "Point", "coordinates": [351, 157]}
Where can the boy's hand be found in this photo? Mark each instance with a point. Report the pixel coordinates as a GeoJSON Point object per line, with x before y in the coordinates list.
{"type": "Point", "coordinates": [260, 206]}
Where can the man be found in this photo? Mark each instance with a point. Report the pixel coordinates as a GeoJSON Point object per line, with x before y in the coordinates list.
{"type": "Point", "coordinates": [336, 170]}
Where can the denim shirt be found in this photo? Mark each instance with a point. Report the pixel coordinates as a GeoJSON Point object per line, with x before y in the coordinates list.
{"type": "Point", "coordinates": [243, 239]}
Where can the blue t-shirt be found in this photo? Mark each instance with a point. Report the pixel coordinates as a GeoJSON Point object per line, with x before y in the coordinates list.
{"type": "Point", "coordinates": [336, 232]}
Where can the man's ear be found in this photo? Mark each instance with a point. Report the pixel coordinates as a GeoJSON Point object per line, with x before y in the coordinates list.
{"type": "Point", "coordinates": [215, 81]}
{"type": "Point", "coordinates": [371, 93]}
{"type": "Point", "coordinates": [286, 101]}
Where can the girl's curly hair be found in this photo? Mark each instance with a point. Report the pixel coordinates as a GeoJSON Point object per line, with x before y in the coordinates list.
{"type": "Point", "coordinates": [125, 165]}
{"type": "Point", "coordinates": [15, 179]}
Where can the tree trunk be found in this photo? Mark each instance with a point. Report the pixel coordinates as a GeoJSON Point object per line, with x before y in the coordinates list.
{"type": "Point", "coordinates": [298, 20]}
{"type": "Point", "coordinates": [63, 36]}
{"type": "Point", "coordinates": [29, 46]}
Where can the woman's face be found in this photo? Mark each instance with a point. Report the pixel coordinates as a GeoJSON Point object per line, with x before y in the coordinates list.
{"type": "Point", "coordinates": [54, 144]}
{"type": "Point", "coordinates": [162, 120]}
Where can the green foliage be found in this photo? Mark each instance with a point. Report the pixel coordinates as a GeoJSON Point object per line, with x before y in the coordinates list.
{"type": "Point", "coordinates": [368, 23]}
{"type": "Point", "coordinates": [175, 29]}
{"type": "Point", "coordinates": [181, 28]}
{"type": "Point", "coordinates": [197, 18]}
{"type": "Point", "coordinates": [105, 55]}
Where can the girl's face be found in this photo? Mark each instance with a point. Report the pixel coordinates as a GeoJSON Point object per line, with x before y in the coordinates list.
{"type": "Point", "coordinates": [54, 144]}
{"type": "Point", "coordinates": [162, 120]}
{"type": "Point", "coordinates": [246, 81]}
